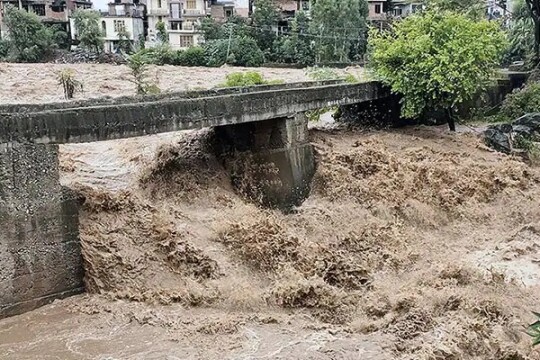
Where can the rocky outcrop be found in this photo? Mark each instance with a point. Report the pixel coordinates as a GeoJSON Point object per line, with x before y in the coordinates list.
{"type": "Point", "coordinates": [505, 137]}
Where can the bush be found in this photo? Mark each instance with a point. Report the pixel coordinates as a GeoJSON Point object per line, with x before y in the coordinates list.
{"type": "Point", "coordinates": [158, 55]}
{"type": "Point", "coordinates": [242, 52]}
{"type": "Point", "coordinates": [324, 73]}
{"type": "Point", "coordinates": [70, 85]}
{"type": "Point", "coordinates": [193, 56]}
{"type": "Point", "coordinates": [249, 78]}
{"type": "Point", "coordinates": [138, 65]}
{"type": "Point", "coordinates": [522, 101]}
{"type": "Point", "coordinates": [4, 49]}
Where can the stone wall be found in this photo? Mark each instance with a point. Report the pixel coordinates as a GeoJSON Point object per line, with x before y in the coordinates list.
{"type": "Point", "coordinates": [40, 257]}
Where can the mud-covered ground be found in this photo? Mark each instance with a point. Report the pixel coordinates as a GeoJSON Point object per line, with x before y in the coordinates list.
{"type": "Point", "coordinates": [37, 83]}
{"type": "Point", "coordinates": [414, 244]}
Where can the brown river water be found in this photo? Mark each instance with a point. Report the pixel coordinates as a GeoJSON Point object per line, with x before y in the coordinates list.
{"type": "Point", "coordinates": [414, 244]}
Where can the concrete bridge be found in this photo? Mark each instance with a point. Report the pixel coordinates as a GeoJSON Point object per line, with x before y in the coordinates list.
{"type": "Point", "coordinates": [40, 257]}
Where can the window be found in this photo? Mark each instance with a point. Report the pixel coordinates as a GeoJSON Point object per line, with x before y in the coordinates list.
{"type": "Point", "coordinates": [39, 9]}
{"type": "Point", "coordinates": [191, 4]}
{"type": "Point", "coordinates": [228, 13]}
{"type": "Point", "coordinates": [398, 12]}
{"type": "Point", "coordinates": [377, 8]}
{"type": "Point", "coordinates": [176, 25]}
{"type": "Point", "coordinates": [160, 18]}
{"type": "Point", "coordinates": [175, 11]}
{"type": "Point", "coordinates": [186, 41]}
{"type": "Point", "coordinates": [188, 25]}
{"type": "Point", "coordinates": [119, 25]}
{"type": "Point", "coordinates": [104, 26]}
{"type": "Point", "coordinates": [159, 4]}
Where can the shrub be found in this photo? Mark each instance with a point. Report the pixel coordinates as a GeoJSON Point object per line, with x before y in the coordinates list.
{"type": "Point", "coordinates": [241, 52]}
{"type": "Point", "coordinates": [158, 55]}
{"type": "Point", "coordinates": [249, 78]}
{"type": "Point", "coordinates": [193, 56]}
{"type": "Point", "coordinates": [325, 73]}
{"type": "Point", "coordinates": [139, 70]}
{"type": "Point", "coordinates": [70, 85]}
{"type": "Point", "coordinates": [522, 101]}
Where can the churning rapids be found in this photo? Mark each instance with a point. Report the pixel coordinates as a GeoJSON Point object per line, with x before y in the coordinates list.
{"type": "Point", "coordinates": [414, 244]}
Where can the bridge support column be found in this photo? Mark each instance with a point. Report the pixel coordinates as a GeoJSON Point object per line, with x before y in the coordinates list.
{"type": "Point", "coordinates": [270, 161]}
{"type": "Point", "coordinates": [40, 257]}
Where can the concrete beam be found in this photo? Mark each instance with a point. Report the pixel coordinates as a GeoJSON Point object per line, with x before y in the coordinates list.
{"type": "Point", "coordinates": [122, 120]}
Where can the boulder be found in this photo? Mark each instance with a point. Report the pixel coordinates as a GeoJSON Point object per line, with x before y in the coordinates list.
{"type": "Point", "coordinates": [499, 137]}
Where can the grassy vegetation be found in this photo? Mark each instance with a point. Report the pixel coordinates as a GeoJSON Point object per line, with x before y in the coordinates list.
{"type": "Point", "coordinates": [244, 79]}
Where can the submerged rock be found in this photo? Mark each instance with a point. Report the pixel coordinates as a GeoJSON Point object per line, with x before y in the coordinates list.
{"type": "Point", "coordinates": [499, 137]}
{"type": "Point", "coordinates": [502, 137]}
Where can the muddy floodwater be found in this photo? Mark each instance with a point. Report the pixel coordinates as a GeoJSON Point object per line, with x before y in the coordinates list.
{"type": "Point", "coordinates": [414, 244]}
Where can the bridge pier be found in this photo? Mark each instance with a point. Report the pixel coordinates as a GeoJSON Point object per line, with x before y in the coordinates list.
{"type": "Point", "coordinates": [40, 257]}
{"type": "Point", "coordinates": [271, 162]}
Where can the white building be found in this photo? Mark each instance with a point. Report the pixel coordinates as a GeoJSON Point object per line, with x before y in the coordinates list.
{"type": "Point", "coordinates": [180, 17]}
{"type": "Point", "coordinates": [184, 17]}
{"type": "Point", "coordinates": [122, 18]}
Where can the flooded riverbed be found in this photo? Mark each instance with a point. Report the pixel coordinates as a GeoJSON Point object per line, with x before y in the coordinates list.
{"type": "Point", "coordinates": [414, 244]}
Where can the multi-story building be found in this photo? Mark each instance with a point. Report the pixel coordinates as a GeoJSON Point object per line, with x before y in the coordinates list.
{"type": "Point", "coordinates": [290, 7]}
{"type": "Point", "coordinates": [156, 11]}
{"type": "Point", "coordinates": [50, 11]}
{"type": "Point", "coordinates": [184, 17]}
{"type": "Point", "coordinates": [123, 19]}
{"type": "Point", "coordinates": [221, 10]}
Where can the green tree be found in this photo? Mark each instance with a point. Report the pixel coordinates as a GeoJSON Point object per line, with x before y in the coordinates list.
{"type": "Point", "coordinates": [335, 27]}
{"type": "Point", "coordinates": [124, 43]}
{"type": "Point", "coordinates": [436, 60]}
{"type": "Point", "coordinates": [29, 40]}
{"type": "Point", "coordinates": [210, 28]}
{"type": "Point", "coordinates": [301, 40]}
{"type": "Point", "coordinates": [162, 32]}
{"type": "Point", "coordinates": [265, 21]}
{"type": "Point", "coordinates": [474, 9]}
{"type": "Point", "coordinates": [88, 30]}
{"type": "Point", "coordinates": [520, 34]}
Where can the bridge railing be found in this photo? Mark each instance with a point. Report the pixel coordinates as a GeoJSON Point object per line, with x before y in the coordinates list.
{"type": "Point", "coordinates": [186, 94]}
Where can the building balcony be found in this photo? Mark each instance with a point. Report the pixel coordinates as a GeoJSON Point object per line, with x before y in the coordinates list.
{"type": "Point", "coordinates": [158, 12]}
{"type": "Point", "coordinates": [193, 12]}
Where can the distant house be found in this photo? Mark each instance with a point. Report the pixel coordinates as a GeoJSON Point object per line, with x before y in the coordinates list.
{"type": "Point", "coordinates": [123, 17]}
{"type": "Point", "coordinates": [377, 10]}
{"type": "Point", "coordinates": [53, 12]}
{"type": "Point", "coordinates": [404, 8]}
{"type": "Point", "coordinates": [184, 17]}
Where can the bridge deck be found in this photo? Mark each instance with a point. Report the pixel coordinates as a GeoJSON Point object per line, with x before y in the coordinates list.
{"type": "Point", "coordinates": [106, 119]}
